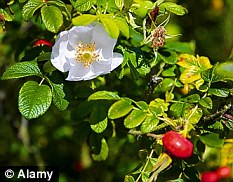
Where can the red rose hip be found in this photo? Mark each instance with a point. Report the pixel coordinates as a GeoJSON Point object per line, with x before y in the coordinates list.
{"type": "Point", "coordinates": [224, 172]}
{"type": "Point", "coordinates": [177, 145]}
{"type": "Point", "coordinates": [42, 42]}
{"type": "Point", "coordinates": [209, 176]}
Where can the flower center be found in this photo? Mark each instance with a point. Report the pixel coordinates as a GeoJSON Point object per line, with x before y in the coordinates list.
{"type": "Point", "coordinates": [86, 54]}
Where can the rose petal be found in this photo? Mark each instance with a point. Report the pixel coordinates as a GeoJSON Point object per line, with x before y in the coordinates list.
{"type": "Point", "coordinates": [78, 72]}
{"type": "Point", "coordinates": [103, 41]}
{"type": "Point", "coordinates": [116, 60]}
{"type": "Point", "coordinates": [59, 51]}
{"type": "Point", "coordinates": [80, 34]}
{"type": "Point", "coordinates": [98, 68]}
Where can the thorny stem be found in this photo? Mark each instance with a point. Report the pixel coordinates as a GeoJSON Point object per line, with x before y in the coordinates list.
{"type": "Point", "coordinates": [133, 132]}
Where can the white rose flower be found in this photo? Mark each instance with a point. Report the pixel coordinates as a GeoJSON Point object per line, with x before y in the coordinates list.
{"type": "Point", "coordinates": [85, 52]}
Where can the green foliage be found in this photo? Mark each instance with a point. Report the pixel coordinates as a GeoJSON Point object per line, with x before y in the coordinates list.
{"type": "Point", "coordinates": [52, 18]}
{"type": "Point", "coordinates": [34, 99]}
{"type": "Point", "coordinates": [22, 69]}
{"type": "Point", "coordinates": [173, 8]}
{"type": "Point", "coordinates": [84, 19]}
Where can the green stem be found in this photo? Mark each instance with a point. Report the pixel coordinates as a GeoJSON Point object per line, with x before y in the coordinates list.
{"type": "Point", "coordinates": [145, 166]}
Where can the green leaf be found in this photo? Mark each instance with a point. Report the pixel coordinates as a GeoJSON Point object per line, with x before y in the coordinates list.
{"type": "Point", "coordinates": [178, 108]}
{"type": "Point", "coordinates": [194, 115]}
{"type": "Point", "coordinates": [174, 8]}
{"type": "Point", "coordinates": [98, 119]}
{"type": "Point", "coordinates": [169, 57]}
{"type": "Point", "coordinates": [135, 118]}
{"type": "Point", "coordinates": [194, 98]}
{"type": "Point", "coordinates": [48, 67]}
{"type": "Point", "coordinates": [62, 7]}
{"type": "Point", "coordinates": [123, 26]}
{"type": "Point", "coordinates": [120, 109]}
{"type": "Point", "coordinates": [206, 102]}
{"type": "Point", "coordinates": [129, 178]}
{"type": "Point", "coordinates": [142, 105]}
{"type": "Point", "coordinates": [181, 47]}
{"type": "Point", "coordinates": [224, 71]}
{"type": "Point", "coordinates": [83, 5]}
{"type": "Point", "coordinates": [149, 124]}
{"type": "Point", "coordinates": [111, 27]}
{"type": "Point", "coordinates": [119, 4]}
{"type": "Point", "coordinates": [84, 19]}
{"type": "Point", "coordinates": [6, 14]}
{"type": "Point", "coordinates": [103, 95]}
{"type": "Point", "coordinates": [52, 18]}
{"type": "Point", "coordinates": [22, 1]}
{"type": "Point", "coordinates": [22, 69]}
{"type": "Point", "coordinates": [58, 96]}
{"type": "Point", "coordinates": [212, 140]}
{"type": "Point", "coordinates": [44, 56]}
{"type": "Point", "coordinates": [30, 7]}
{"type": "Point", "coordinates": [218, 92]}
{"type": "Point", "coordinates": [34, 99]}
{"type": "Point", "coordinates": [103, 152]}
{"type": "Point", "coordinates": [169, 72]}
{"type": "Point", "coordinates": [83, 109]}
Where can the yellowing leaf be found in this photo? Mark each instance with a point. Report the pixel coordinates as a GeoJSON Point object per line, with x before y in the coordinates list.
{"type": "Point", "coordinates": [190, 75]}
{"type": "Point", "coordinates": [204, 62]}
{"type": "Point", "coordinates": [193, 67]}
{"type": "Point", "coordinates": [187, 60]}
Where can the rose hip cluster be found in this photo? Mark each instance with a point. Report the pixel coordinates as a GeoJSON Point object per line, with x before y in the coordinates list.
{"type": "Point", "coordinates": [223, 172]}
{"type": "Point", "coordinates": [178, 146]}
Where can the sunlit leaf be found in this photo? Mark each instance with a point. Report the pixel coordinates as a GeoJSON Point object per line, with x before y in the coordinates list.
{"type": "Point", "coordinates": [135, 118]}
{"type": "Point", "coordinates": [149, 124]}
{"type": "Point", "coordinates": [123, 26]}
{"type": "Point", "coordinates": [174, 8]}
{"type": "Point", "coordinates": [103, 154]}
{"type": "Point", "coordinates": [193, 116]}
{"type": "Point", "coordinates": [83, 5]}
{"type": "Point", "coordinates": [111, 27]}
{"type": "Point", "coordinates": [22, 69]}
{"type": "Point", "coordinates": [120, 108]}
{"type": "Point", "coordinates": [119, 4]}
{"type": "Point", "coordinates": [58, 96]}
{"type": "Point", "coordinates": [206, 102]}
{"type": "Point", "coordinates": [52, 18]}
{"type": "Point", "coordinates": [218, 92]}
{"type": "Point", "coordinates": [129, 178]}
{"type": "Point", "coordinates": [160, 104]}
{"type": "Point", "coordinates": [103, 95]}
{"type": "Point", "coordinates": [98, 119]}
{"type": "Point", "coordinates": [34, 99]}
{"type": "Point", "coordinates": [194, 98]}
{"type": "Point", "coordinates": [30, 8]}
{"type": "Point", "coordinates": [84, 19]}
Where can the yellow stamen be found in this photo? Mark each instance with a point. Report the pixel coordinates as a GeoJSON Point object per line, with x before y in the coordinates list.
{"type": "Point", "coordinates": [86, 54]}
